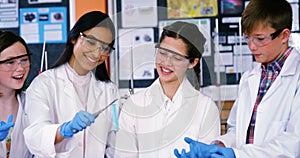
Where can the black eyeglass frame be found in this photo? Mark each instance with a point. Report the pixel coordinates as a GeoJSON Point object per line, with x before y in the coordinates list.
{"type": "Point", "coordinates": [276, 33]}
{"type": "Point", "coordinates": [16, 57]}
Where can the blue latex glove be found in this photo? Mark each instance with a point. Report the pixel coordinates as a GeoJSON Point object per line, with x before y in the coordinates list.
{"type": "Point", "coordinates": [81, 120]}
{"type": "Point", "coordinates": [201, 150]}
{"type": "Point", "coordinates": [4, 127]}
{"type": "Point", "coordinates": [197, 149]}
{"type": "Point", "coordinates": [221, 152]}
{"type": "Point", "coordinates": [180, 155]}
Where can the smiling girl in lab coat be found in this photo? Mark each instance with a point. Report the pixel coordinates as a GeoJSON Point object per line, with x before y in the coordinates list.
{"type": "Point", "coordinates": [61, 100]}
{"type": "Point", "coordinates": [154, 121]}
{"type": "Point", "coordinates": [14, 68]}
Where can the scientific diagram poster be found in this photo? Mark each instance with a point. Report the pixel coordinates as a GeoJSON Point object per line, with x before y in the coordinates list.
{"type": "Point", "coordinates": [44, 24]}
{"type": "Point", "coordinates": [136, 54]}
{"type": "Point", "coordinates": [192, 8]}
{"type": "Point", "coordinates": [9, 14]}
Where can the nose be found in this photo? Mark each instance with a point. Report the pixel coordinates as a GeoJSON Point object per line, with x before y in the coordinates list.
{"type": "Point", "coordinates": [19, 66]}
{"type": "Point", "coordinates": [168, 60]}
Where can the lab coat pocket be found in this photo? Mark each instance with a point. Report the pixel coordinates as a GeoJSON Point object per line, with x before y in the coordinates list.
{"type": "Point", "coordinates": [275, 129]}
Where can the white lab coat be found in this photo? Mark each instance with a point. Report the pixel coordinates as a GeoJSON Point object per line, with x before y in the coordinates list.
{"type": "Point", "coordinates": [153, 125]}
{"type": "Point", "coordinates": [18, 148]}
{"type": "Point", "coordinates": [277, 128]}
{"type": "Point", "coordinates": [51, 101]}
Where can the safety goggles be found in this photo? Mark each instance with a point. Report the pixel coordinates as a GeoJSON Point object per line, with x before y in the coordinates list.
{"type": "Point", "coordinates": [92, 44]}
{"type": "Point", "coordinates": [263, 39]}
{"type": "Point", "coordinates": [12, 64]}
{"type": "Point", "coordinates": [163, 54]}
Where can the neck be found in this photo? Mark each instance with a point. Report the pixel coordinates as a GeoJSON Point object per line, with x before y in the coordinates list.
{"type": "Point", "coordinates": [8, 105]}
{"type": "Point", "coordinates": [7, 97]}
{"type": "Point", "coordinates": [170, 88]}
{"type": "Point", "coordinates": [76, 67]}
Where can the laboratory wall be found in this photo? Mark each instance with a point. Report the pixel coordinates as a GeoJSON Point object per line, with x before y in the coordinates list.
{"type": "Point", "coordinates": [44, 24]}
{"type": "Point", "coordinates": [226, 55]}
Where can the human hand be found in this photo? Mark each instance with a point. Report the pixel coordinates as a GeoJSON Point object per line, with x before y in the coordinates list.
{"type": "Point", "coordinates": [197, 149]}
{"type": "Point", "coordinates": [81, 120]}
{"type": "Point", "coordinates": [221, 152]}
{"type": "Point", "coordinates": [202, 150]}
{"type": "Point", "coordinates": [180, 155]}
{"type": "Point", "coordinates": [4, 127]}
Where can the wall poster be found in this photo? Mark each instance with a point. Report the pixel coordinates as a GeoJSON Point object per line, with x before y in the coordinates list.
{"type": "Point", "coordinates": [44, 24]}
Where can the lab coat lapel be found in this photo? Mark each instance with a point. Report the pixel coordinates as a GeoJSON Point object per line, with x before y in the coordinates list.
{"type": "Point", "coordinates": [69, 89]}
{"type": "Point", "coordinates": [95, 92]}
{"type": "Point", "coordinates": [288, 69]}
{"type": "Point", "coordinates": [273, 88]}
{"type": "Point", "coordinates": [188, 90]}
{"type": "Point", "coordinates": [188, 93]}
{"type": "Point", "coordinates": [253, 83]}
{"type": "Point", "coordinates": [156, 92]}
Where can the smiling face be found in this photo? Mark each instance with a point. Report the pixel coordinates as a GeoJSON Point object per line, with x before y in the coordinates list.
{"type": "Point", "coordinates": [172, 68]}
{"type": "Point", "coordinates": [83, 60]}
{"type": "Point", "coordinates": [267, 52]}
{"type": "Point", "coordinates": [13, 79]}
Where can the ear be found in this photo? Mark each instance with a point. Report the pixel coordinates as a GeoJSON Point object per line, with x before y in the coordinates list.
{"type": "Point", "coordinates": [286, 35]}
{"type": "Point", "coordinates": [194, 63]}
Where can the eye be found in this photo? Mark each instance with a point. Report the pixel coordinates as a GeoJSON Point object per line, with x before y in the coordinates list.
{"type": "Point", "coordinates": [10, 62]}
{"type": "Point", "coordinates": [260, 38]}
{"type": "Point", "coordinates": [177, 58]}
{"type": "Point", "coordinates": [24, 60]}
{"type": "Point", "coordinates": [91, 42]}
{"type": "Point", "coordinates": [163, 53]}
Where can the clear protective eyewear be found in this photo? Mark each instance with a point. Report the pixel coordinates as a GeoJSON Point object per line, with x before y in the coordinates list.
{"type": "Point", "coordinates": [262, 40]}
{"type": "Point", "coordinates": [162, 54]}
{"type": "Point", "coordinates": [93, 44]}
{"type": "Point", "coordinates": [12, 64]}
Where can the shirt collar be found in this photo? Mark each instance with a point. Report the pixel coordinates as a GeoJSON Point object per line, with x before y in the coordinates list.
{"type": "Point", "coordinates": [277, 65]}
{"type": "Point", "coordinates": [178, 94]}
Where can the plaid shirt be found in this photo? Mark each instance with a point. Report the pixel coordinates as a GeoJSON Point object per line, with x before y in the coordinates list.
{"type": "Point", "coordinates": [268, 76]}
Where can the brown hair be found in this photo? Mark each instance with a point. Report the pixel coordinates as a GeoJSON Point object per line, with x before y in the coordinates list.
{"type": "Point", "coordinates": [276, 14]}
{"type": "Point", "coordinates": [8, 38]}
{"type": "Point", "coordinates": [191, 36]}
